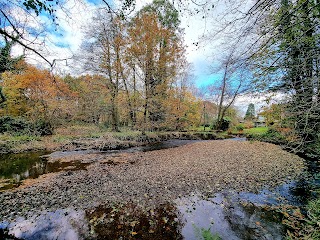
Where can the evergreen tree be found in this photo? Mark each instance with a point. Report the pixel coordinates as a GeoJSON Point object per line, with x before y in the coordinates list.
{"type": "Point", "coordinates": [299, 48]}
{"type": "Point", "coordinates": [250, 114]}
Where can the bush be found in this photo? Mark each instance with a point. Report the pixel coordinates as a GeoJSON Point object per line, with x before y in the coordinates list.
{"type": "Point", "coordinates": [240, 127]}
{"type": "Point", "coordinates": [248, 124]}
{"type": "Point", "coordinates": [18, 126]}
{"type": "Point", "coordinates": [224, 125]}
{"type": "Point", "coordinates": [42, 128]}
{"type": "Point", "coordinates": [13, 125]}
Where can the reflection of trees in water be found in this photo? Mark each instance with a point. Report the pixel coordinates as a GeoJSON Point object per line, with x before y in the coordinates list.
{"type": "Point", "coordinates": [16, 167]}
{"type": "Point", "coordinates": [131, 221]}
{"type": "Point", "coordinates": [249, 221]}
{"type": "Point", "coordinates": [21, 166]}
{"type": "Point", "coordinates": [302, 190]}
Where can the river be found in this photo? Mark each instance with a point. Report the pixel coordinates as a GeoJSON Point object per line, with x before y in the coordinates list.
{"type": "Point", "coordinates": [227, 215]}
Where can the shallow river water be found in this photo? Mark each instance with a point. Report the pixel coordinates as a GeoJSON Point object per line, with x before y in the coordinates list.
{"type": "Point", "coordinates": [227, 215]}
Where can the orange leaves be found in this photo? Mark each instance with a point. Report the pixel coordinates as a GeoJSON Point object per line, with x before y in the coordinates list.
{"type": "Point", "coordinates": [37, 84]}
{"type": "Point", "coordinates": [32, 92]}
{"type": "Point", "coordinates": [146, 33]}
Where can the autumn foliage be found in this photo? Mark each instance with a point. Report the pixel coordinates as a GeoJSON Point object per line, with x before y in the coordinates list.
{"type": "Point", "coordinates": [136, 76]}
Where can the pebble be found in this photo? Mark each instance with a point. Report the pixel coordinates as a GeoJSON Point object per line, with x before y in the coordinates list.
{"type": "Point", "coordinates": [201, 167]}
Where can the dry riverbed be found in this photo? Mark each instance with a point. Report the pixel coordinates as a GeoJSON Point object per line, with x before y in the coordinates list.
{"type": "Point", "coordinates": [156, 177]}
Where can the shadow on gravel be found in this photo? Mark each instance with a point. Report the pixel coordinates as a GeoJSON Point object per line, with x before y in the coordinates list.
{"type": "Point", "coordinates": [134, 222]}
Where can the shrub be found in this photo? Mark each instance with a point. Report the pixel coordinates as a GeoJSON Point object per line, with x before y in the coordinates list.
{"type": "Point", "coordinates": [248, 124]}
{"type": "Point", "coordinates": [224, 124]}
{"type": "Point", "coordinates": [240, 127]}
{"type": "Point", "coordinates": [13, 125]}
{"type": "Point", "coordinates": [42, 128]}
{"type": "Point", "coordinates": [18, 126]}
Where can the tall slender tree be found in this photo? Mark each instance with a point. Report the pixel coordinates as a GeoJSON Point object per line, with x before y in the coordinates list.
{"type": "Point", "coordinates": [250, 113]}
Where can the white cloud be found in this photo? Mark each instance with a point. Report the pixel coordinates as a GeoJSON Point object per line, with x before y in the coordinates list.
{"type": "Point", "coordinates": [259, 101]}
{"type": "Point", "coordinates": [55, 42]}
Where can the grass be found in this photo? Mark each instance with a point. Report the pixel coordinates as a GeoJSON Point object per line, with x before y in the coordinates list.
{"type": "Point", "coordinates": [18, 138]}
{"type": "Point", "coordinates": [249, 131]}
{"type": "Point", "coordinates": [200, 129]}
{"type": "Point", "coordinates": [256, 130]}
{"type": "Point", "coordinates": [205, 234]}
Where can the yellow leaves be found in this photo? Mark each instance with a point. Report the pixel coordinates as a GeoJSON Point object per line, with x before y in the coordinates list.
{"type": "Point", "coordinates": [133, 223]}
{"type": "Point", "coordinates": [32, 92]}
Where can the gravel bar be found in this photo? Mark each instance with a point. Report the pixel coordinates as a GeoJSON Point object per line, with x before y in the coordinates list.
{"type": "Point", "coordinates": [155, 177]}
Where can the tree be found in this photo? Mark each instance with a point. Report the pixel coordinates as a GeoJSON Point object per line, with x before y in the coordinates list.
{"type": "Point", "coordinates": [17, 28]}
{"type": "Point", "coordinates": [250, 113]}
{"type": "Point", "coordinates": [287, 61]}
{"type": "Point", "coordinates": [274, 115]}
{"type": "Point", "coordinates": [20, 21]}
{"type": "Point", "coordinates": [33, 94]}
{"type": "Point", "coordinates": [281, 46]}
{"type": "Point", "coordinates": [104, 51]}
{"type": "Point", "coordinates": [157, 52]}
{"type": "Point", "coordinates": [232, 84]}
{"type": "Point", "coordinates": [7, 63]}
{"type": "Point", "coordinates": [89, 99]}
{"type": "Point", "coordinates": [300, 49]}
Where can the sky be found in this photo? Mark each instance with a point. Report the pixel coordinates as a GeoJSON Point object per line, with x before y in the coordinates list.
{"type": "Point", "coordinates": [65, 40]}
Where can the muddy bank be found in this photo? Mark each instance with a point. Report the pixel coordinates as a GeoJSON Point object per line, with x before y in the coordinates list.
{"type": "Point", "coordinates": [157, 177]}
{"type": "Point", "coordinates": [103, 143]}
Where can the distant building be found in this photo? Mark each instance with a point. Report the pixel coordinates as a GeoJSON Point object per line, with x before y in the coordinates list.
{"type": "Point", "coordinates": [260, 121]}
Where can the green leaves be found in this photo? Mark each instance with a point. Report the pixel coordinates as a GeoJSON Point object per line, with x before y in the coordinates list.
{"type": "Point", "coordinates": [38, 6]}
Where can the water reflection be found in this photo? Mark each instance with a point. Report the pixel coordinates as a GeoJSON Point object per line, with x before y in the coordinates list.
{"type": "Point", "coordinates": [60, 224]}
{"type": "Point", "coordinates": [222, 217]}
{"type": "Point", "coordinates": [227, 217]}
{"type": "Point", "coordinates": [16, 167]}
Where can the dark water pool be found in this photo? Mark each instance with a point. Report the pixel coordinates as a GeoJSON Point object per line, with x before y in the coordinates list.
{"type": "Point", "coordinates": [16, 167]}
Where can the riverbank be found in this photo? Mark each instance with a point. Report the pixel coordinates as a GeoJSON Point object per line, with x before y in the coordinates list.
{"type": "Point", "coordinates": [92, 138]}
